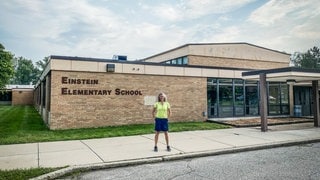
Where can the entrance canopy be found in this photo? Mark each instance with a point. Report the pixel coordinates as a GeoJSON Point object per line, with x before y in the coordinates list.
{"type": "Point", "coordinates": [291, 75]}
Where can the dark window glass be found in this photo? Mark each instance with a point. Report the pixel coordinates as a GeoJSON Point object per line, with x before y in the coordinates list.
{"type": "Point", "coordinates": [179, 61]}
{"type": "Point", "coordinates": [278, 98]}
{"type": "Point", "coordinates": [225, 101]}
{"type": "Point", "coordinates": [284, 94]}
{"type": "Point", "coordinates": [185, 60]}
{"type": "Point", "coordinates": [239, 100]}
{"type": "Point", "coordinates": [6, 96]}
{"type": "Point", "coordinates": [251, 99]}
{"type": "Point", "coordinates": [225, 81]}
{"type": "Point", "coordinates": [212, 101]}
{"type": "Point", "coordinates": [238, 81]}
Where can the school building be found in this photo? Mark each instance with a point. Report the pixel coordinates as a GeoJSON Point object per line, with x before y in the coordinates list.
{"type": "Point", "coordinates": [17, 95]}
{"type": "Point", "coordinates": [202, 81]}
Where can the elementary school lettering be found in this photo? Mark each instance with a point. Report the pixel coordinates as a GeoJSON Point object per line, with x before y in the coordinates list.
{"type": "Point", "coordinates": [118, 91]}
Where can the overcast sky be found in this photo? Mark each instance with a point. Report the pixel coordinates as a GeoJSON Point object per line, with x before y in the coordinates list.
{"type": "Point", "coordinates": [140, 28]}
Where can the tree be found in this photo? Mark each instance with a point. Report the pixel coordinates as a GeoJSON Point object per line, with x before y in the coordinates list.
{"type": "Point", "coordinates": [310, 59]}
{"type": "Point", "coordinates": [6, 66]}
{"type": "Point", "coordinates": [25, 72]}
{"type": "Point", "coordinates": [42, 63]}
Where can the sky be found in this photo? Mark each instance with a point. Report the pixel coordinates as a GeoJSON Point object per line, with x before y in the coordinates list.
{"type": "Point", "coordinates": [138, 29]}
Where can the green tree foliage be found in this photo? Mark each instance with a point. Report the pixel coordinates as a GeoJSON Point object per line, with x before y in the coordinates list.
{"type": "Point", "coordinates": [310, 59]}
{"type": "Point", "coordinates": [25, 72]}
{"type": "Point", "coordinates": [42, 63]}
{"type": "Point", "coordinates": [6, 66]}
{"type": "Point", "coordinates": [40, 66]}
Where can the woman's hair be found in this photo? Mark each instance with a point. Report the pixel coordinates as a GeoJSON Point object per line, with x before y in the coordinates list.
{"type": "Point", "coordinates": [164, 97]}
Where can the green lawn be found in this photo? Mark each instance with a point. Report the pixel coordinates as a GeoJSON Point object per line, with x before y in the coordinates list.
{"type": "Point", "coordinates": [23, 124]}
{"type": "Point", "coordinates": [21, 174]}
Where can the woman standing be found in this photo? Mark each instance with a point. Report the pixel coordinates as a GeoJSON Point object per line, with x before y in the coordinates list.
{"type": "Point", "coordinates": [161, 112]}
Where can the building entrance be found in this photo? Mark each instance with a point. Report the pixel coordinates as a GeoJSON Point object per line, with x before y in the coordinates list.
{"type": "Point", "coordinates": [228, 98]}
{"type": "Point", "coordinates": [239, 98]}
{"type": "Point", "coordinates": [303, 100]}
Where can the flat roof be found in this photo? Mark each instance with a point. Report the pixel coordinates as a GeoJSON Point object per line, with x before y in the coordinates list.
{"type": "Point", "coordinates": [295, 74]}
{"type": "Point", "coordinates": [76, 58]}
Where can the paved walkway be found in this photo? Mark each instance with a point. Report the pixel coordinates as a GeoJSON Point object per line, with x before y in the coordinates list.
{"type": "Point", "coordinates": [120, 151]}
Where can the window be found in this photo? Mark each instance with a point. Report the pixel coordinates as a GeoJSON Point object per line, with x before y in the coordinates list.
{"type": "Point", "coordinates": [236, 97]}
{"type": "Point", "coordinates": [251, 98]}
{"type": "Point", "coordinates": [185, 60]}
{"type": "Point", "coordinates": [6, 95]}
{"type": "Point", "coordinates": [180, 61]}
{"type": "Point", "coordinates": [278, 98]}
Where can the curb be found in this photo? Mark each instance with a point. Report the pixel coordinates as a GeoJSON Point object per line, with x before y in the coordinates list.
{"type": "Point", "coordinates": [133, 162]}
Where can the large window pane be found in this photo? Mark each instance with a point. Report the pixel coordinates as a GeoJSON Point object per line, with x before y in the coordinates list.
{"type": "Point", "coordinates": [225, 95]}
{"type": "Point", "coordinates": [284, 94]}
{"type": "Point", "coordinates": [278, 98]}
{"type": "Point", "coordinates": [239, 100]}
{"type": "Point", "coordinates": [274, 99]}
{"type": "Point", "coordinates": [252, 102]}
{"type": "Point", "coordinates": [212, 101]}
{"type": "Point", "coordinates": [274, 95]}
{"type": "Point", "coordinates": [225, 101]}
{"type": "Point", "coordinates": [238, 93]}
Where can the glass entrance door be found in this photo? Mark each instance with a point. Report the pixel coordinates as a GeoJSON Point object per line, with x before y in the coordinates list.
{"type": "Point", "coordinates": [252, 99]}
{"type": "Point", "coordinates": [302, 97]}
{"type": "Point", "coordinates": [225, 97]}
{"type": "Point", "coordinates": [212, 100]}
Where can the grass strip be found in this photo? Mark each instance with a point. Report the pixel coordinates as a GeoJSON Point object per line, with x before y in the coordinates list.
{"type": "Point", "coordinates": [23, 124]}
{"type": "Point", "coordinates": [22, 174]}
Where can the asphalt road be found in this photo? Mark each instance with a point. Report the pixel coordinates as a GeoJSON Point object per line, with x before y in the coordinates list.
{"type": "Point", "coordinates": [295, 162]}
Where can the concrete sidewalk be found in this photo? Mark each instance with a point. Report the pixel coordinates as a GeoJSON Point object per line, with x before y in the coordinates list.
{"type": "Point", "coordinates": [121, 151]}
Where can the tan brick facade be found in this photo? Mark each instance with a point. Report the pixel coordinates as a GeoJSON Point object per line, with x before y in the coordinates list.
{"type": "Point", "coordinates": [77, 92]}
{"type": "Point", "coordinates": [234, 63]}
{"type": "Point", "coordinates": [187, 96]}
{"type": "Point", "coordinates": [22, 97]}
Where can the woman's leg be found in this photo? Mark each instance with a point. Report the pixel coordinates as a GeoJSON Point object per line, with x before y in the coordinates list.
{"type": "Point", "coordinates": [156, 137]}
{"type": "Point", "coordinates": [167, 137]}
{"type": "Point", "coordinates": [167, 140]}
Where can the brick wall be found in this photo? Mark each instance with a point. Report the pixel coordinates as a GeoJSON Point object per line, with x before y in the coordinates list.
{"type": "Point", "coordinates": [187, 96]}
{"type": "Point", "coordinates": [234, 63]}
{"type": "Point", "coordinates": [22, 97]}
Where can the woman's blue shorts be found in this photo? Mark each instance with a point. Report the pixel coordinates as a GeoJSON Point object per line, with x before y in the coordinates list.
{"type": "Point", "coordinates": [161, 124]}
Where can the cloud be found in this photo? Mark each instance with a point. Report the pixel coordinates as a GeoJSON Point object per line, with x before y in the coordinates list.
{"type": "Point", "coordinates": [276, 11]}
{"type": "Point", "coordinates": [193, 9]}
{"type": "Point", "coordinates": [196, 8]}
{"type": "Point", "coordinates": [142, 28]}
{"type": "Point", "coordinates": [285, 25]}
